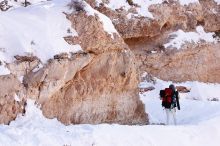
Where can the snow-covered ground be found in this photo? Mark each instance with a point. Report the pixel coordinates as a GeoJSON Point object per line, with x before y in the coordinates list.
{"type": "Point", "coordinates": [198, 125]}
{"type": "Point", "coordinates": [196, 106]}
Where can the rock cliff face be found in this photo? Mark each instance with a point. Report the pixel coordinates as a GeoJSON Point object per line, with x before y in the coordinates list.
{"type": "Point", "coordinates": [143, 35]}
{"type": "Point", "coordinates": [97, 85]}
{"type": "Point", "coordinates": [169, 15]}
{"type": "Point", "coordinates": [199, 63]}
{"type": "Point", "coordinates": [103, 91]}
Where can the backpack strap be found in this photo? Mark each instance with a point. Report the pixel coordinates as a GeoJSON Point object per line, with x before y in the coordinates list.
{"type": "Point", "coordinates": [177, 100]}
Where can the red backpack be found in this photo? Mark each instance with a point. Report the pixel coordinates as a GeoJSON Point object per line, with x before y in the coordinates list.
{"type": "Point", "coordinates": [167, 98]}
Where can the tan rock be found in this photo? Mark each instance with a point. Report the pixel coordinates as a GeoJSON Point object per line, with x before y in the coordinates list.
{"type": "Point", "coordinates": [103, 92]}
{"type": "Point", "coordinates": [200, 63]}
{"type": "Point", "coordinates": [144, 35]}
{"type": "Point", "coordinates": [53, 76]}
{"type": "Point", "coordinates": [167, 16]}
{"type": "Point", "coordinates": [23, 65]}
{"type": "Point", "coordinates": [146, 89]}
{"type": "Point", "coordinates": [9, 108]}
{"type": "Point", "coordinates": [9, 85]}
{"type": "Point", "coordinates": [92, 37]}
{"type": "Point", "coordinates": [211, 15]}
{"type": "Point", "coordinates": [96, 86]}
{"type": "Point", "coordinates": [182, 89]}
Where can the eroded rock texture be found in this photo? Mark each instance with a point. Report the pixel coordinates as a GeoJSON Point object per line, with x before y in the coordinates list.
{"type": "Point", "coordinates": [96, 85]}
{"type": "Point", "coordinates": [143, 35]}
{"type": "Point", "coordinates": [9, 107]}
{"type": "Point", "coordinates": [103, 91]}
{"type": "Point", "coordinates": [199, 63]}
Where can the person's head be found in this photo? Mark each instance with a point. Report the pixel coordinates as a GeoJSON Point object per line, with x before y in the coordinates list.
{"type": "Point", "coordinates": [172, 87]}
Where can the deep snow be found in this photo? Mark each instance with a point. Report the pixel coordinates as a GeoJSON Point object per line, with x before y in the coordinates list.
{"type": "Point", "coordinates": [197, 126]}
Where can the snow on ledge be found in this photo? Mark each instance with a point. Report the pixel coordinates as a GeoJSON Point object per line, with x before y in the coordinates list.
{"type": "Point", "coordinates": [187, 2]}
{"type": "Point", "coordinates": [180, 37]}
{"type": "Point", "coordinates": [142, 10]}
{"type": "Point", "coordinates": [144, 5]}
{"type": "Point", "coordinates": [107, 23]}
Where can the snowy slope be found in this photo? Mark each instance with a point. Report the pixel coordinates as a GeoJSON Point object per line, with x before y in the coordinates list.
{"type": "Point", "coordinates": [36, 30]}
{"type": "Point", "coordinates": [39, 30]}
{"type": "Point", "coordinates": [197, 126]}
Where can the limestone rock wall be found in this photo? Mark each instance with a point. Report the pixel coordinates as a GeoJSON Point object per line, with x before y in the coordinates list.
{"type": "Point", "coordinates": [199, 63]}
{"type": "Point", "coordinates": [169, 15]}
{"type": "Point", "coordinates": [96, 85]}
{"type": "Point", "coordinates": [103, 92]}
{"type": "Point", "coordinates": [143, 35]}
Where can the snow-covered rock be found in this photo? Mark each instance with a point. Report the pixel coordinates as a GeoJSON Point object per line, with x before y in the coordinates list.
{"type": "Point", "coordinates": [11, 4]}
{"type": "Point", "coordinates": [87, 86]}
{"type": "Point", "coordinates": [180, 37]}
{"type": "Point", "coordinates": [37, 30]}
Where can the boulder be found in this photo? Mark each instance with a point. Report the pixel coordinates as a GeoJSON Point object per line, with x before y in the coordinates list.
{"type": "Point", "coordinates": [105, 91]}
{"type": "Point", "coordinates": [10, 107]}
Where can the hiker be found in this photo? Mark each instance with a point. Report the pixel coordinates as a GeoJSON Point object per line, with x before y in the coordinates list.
{"type": "Point", "coordinates": [170, 100]}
